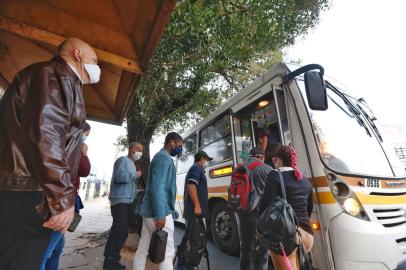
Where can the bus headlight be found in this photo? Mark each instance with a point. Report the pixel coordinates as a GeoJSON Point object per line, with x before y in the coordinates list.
{"type": "Point", "coordinates": [345, 197]}
{"type": "Point", "coordinates": [352, 207]}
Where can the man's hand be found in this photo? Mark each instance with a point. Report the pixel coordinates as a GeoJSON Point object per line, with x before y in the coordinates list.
{"type": "Point", "coordinates": [84, 149]}
{"type": "Point", "coordinates": [198, 210]}
{"type": "Point", "coordinates": [160, 223]}
{"type": "Point", "coordinates": [60, 222]}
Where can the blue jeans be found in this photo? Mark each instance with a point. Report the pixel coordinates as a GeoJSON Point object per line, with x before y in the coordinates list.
{"type": "Point", "coordinates": [56, 241]}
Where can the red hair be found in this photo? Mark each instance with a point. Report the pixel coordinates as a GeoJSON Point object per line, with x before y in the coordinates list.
{"type": "Point", "coordinates": [289, 158]}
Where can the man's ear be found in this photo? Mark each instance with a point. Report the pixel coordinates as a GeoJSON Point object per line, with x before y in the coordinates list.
{"type": "Point", "coordinates": [76, 55]}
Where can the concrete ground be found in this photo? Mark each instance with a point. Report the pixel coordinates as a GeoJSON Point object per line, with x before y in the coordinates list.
{"type": "Point", "coordinates": [84, 248]}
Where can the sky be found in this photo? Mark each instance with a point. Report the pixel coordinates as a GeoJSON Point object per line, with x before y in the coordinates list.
{"type": "Point", "coordinates": [360, 43]}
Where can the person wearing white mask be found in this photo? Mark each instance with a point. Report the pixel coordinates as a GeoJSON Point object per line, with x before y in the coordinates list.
{"type": "Point", "coordinates": [82, 60]}
{"type": "Point", "coordinates": [195, 193]}
{"type": "Point", "coordinates": [122, 190]}
{"type": "Point", "coordinates": [40, 143]}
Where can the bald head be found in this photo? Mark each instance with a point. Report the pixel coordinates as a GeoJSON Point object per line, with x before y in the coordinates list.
{"type": "Point", "coordinates": [70, 44]}
{"type": "Point", "coordinates": [77, 52]}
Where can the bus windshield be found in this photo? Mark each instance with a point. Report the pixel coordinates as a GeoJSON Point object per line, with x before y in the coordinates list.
{"type": "Point", "coordinates": [348, 141]}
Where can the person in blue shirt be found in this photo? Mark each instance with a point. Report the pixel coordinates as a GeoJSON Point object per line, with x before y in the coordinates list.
{"type": "Point", "coordinates": [158, 205]}
{"type": "Point", "coordinates": [122, 188]}
{"type": "Point", "coordinates": [195, 193]}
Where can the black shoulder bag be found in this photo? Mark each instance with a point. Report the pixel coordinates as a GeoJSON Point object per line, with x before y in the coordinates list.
{"type": "Point", "coordinates": [278, 224]}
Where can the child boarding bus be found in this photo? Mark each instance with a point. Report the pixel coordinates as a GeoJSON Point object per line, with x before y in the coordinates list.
{"type": "Point", "coordinates": [359, 218]}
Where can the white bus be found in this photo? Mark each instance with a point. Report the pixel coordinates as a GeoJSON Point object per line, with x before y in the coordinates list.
{"type": "Point", "coordinates": [359, 218]}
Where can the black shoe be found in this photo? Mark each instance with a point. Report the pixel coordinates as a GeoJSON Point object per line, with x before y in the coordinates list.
{"type": "Point", "coordinates": [113, 266]}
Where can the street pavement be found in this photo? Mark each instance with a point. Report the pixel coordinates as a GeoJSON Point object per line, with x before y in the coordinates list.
{"type": "Point", "coordinates": [84, 248]}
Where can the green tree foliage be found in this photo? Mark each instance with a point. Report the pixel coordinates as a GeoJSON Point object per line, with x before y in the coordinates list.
{"type": "Point", "coordinates": [210, 50]}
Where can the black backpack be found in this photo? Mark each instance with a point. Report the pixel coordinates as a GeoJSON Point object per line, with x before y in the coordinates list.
{"type": "Point", "coordinates": [278, 224]}
{"type": "Point", "coordinates": [193, 245]}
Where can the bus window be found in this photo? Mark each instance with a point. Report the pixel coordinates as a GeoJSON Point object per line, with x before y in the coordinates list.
{"type": "Point", "coordinates": [243, 136]}
{"type": "Point", "coordinates": [190, 144]}
{"type": "Point", "coordinates": [189, 149]}
{"type": "Point", "coordinates": [215, 140]}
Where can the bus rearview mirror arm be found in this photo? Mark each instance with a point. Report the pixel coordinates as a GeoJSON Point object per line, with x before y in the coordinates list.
{"type": "Point", "coordinates": [314, 84]}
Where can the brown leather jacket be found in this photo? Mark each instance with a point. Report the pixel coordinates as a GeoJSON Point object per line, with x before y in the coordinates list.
{"type": "Point", "coordinates": [42, 114]}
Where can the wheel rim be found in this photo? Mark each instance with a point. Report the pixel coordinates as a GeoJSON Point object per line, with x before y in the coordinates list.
{"type": "Point", "coordinates": [223, 226]}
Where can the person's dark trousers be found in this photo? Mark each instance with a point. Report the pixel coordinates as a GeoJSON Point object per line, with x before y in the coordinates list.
{"type": "Point", "coordinates": [252, 257]}
{"type": "Point", "coordinates": [23, 238]}
{"type": "Point", "coordinates": [118, 233]}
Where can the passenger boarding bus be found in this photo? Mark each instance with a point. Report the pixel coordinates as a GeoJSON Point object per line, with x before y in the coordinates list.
{"type": "Point", "coordinates": [359, 218]}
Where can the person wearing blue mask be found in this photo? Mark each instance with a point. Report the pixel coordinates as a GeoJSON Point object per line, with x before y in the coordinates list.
{"type": "Point", "coordinates": [158, 206]}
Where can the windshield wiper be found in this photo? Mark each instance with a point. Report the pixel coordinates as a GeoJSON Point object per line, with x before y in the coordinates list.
{"type": "Point", "coordinates": [353, 109]}
{"type": "Point", "coordinates": [369, 116]}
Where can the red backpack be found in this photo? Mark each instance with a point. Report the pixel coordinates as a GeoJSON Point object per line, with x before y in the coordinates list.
{"type": "Point", "coordinates": [242, 196]}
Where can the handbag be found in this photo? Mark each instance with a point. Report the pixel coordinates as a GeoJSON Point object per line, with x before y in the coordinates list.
{"type": "Point", "coordinates": [157, 246]}
{"type": "Point", "coordinates": [135, 217]}
{"type": "Point", "coordinates": [193, 245]}
{"type": "Point", "coordinates": [278, 224]}
{"type": "Point", "coordinates": [304, 260]}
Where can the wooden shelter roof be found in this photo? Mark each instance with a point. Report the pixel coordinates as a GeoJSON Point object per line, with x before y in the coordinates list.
{"type": "Point", "coordinates": [124, 34]}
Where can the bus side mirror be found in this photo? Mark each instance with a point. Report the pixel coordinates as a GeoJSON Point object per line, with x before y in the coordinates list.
{"type": "Point", "coordinates": [315, 90]}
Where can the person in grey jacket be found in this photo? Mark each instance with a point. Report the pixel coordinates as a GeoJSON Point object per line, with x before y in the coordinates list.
{"type": "Point", "coordinates": [250, 259]}
{"type": "Point", "coordinates": [122, 189]}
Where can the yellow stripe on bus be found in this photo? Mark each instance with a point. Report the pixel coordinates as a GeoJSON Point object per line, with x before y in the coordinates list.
{"type": "Point", "coordinates": [325, 197]}
{"type": "Point", "coordinates": [373, 199]}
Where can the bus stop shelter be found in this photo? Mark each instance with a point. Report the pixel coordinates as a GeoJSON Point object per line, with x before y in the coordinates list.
{"type": "Point", "coordinates": [125, 34]}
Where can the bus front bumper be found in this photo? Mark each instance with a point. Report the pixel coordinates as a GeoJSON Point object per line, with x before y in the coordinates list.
{"type": "Point", "coordinates": [357, 244]}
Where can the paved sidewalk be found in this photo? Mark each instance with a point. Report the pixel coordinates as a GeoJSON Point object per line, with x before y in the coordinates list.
{"type": "Point", "coordinates": [84, 248]}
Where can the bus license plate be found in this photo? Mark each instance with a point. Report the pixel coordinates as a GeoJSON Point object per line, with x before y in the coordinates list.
{"type": "Point", "coordinates": [373, 183]}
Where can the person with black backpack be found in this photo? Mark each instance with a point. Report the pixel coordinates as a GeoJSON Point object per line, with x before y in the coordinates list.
{"type": "Point", "coordinates": [195, 210]}
{"type": "Point", "coordinates": [252, 255]}
{"type": "Point", "coordinates": [287, 194]}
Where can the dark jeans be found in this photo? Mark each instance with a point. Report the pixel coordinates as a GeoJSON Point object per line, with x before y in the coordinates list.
{"type": "Point", "coordinates": [118, 232]}
{"type": "Point", "coordinates": [23, 238]}
{"type": "Point", "coordinates": [251, 256]}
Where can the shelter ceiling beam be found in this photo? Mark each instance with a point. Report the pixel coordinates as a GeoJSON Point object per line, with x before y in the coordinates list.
{"type": "Point", "coordinates": [33, 33]}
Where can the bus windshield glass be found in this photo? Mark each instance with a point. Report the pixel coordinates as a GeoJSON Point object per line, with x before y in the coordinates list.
{"type": "Point", "coordinates": [348, 140]}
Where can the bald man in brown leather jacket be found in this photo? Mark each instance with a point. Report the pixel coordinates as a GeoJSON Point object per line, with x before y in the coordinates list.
{"type": "Point", "coordinates": [42, 116]}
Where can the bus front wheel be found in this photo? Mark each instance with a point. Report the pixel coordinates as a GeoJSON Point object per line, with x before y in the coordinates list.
{"type": "Point", "coordinates": [224, 229]}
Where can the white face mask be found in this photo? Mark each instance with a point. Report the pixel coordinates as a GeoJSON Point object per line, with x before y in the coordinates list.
{"type": "Point", "coordinates": [205, 164]}
{"type": "Point", "coordinates": [137, 156]}
{"type": "Point", "coordinates": [84, 137]}
{"type": "Point", "coordinates": [94, 72]}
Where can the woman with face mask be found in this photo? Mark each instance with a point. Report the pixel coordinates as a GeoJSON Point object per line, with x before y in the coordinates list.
{"type": "Point", "coordinates": [299, 194]}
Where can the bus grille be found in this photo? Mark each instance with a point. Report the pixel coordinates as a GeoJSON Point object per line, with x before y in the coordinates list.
{"type": "Point", "coordinates": [392, 217]}
{"type": "Point", "coordinates": [402, 244]}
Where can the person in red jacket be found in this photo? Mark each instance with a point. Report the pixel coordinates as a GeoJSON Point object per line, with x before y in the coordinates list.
{"type": "Point", "coordinates": [83, 170]}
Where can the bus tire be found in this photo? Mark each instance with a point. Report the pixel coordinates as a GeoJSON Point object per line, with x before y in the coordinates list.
{"type": "Point", "coordinates": [224, 229]}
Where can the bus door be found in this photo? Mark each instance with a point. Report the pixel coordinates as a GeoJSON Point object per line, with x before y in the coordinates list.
{"type": "Point", "coordinates": [183, 165]}
{"type": "Point", "coordinates": [257, 125]}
